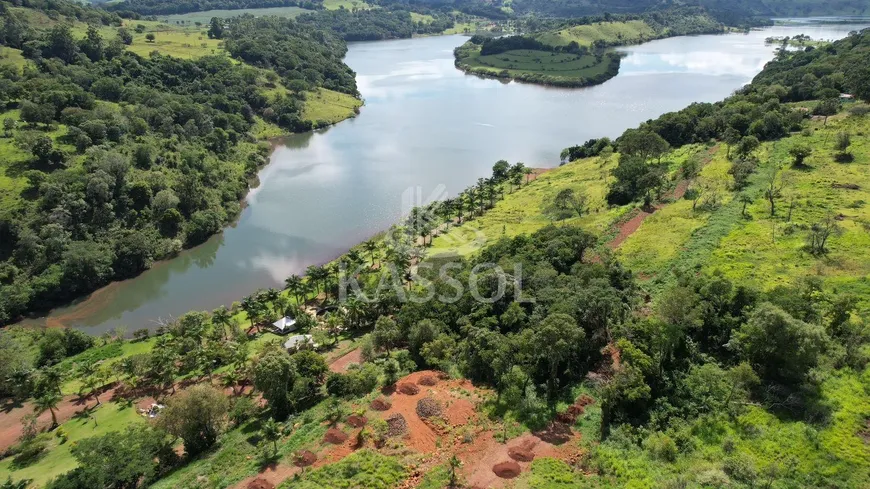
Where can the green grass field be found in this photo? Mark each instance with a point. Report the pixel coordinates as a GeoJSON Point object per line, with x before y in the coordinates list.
{"type": "Point", "coordinates": [522, 211]}
{"type": "Point", "coordinates": [13, 57]}
{"type": "Point", "coordinates": [348, 4]}
{"type": "Point", "coordinates": [633, 31]}
{"type": "Point", "coordinates": [329, 106]}
{"type": "Point", "coordinates": [531, 61]}
{"type": "Point", "coordinates": [205, 17]}
{"type": "Point", "coordinates": [521, 64]}
{"type": "Point", "coordinates": [58, 458]}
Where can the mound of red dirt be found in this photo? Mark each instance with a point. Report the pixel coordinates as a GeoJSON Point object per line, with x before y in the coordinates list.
{"type": "Point", "coordinates": [334, 436]}
{"type": "Point", "coordinates": [584, 400]}
{"type": "Point", "coordinates": [357, 421]}
{"type": "Point", "coordinates": [397, 425]}
{"type": "Point", "coordinates": [304, 458]}
{"type": "Point", "coordinates": [381, 404]}
{"type": "Point", "coordinates": [521, 454]}
{"type": "Point", "coordinates": [507, 470]}
{"type": "Point", "coordinates": [428, 380]}
{"type": "Point", "coordinates": [408, 389]}
{"type": "Point", "coordinates": [260, 484]}
{"type": "Point", "coordinates": [571, 414]}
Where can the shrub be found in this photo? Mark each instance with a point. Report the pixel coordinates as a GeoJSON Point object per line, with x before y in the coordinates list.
{"type": "Point", "coordinates": [661, 446]}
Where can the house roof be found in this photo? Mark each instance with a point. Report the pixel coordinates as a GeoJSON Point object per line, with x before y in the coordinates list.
{"type": "Point", "coordinates": [297, 340]}
{"type": "Point", "coordinates": [285, 324]}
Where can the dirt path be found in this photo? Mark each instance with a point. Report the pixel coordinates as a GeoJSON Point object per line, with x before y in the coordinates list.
{"type": "Point", "coordinates": [12, 417]}
{"type": "Point", "coordinates": [341, 363]}
{"type": "Point", "coordinates": [630, 226]}
{"type": "Point", "coordinates": [272, 475]}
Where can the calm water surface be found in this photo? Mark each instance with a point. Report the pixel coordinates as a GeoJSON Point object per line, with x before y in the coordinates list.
{"type": "Point", "coordinates": [426, 128]}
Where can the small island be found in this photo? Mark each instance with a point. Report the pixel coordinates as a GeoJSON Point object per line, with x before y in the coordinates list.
{"type": "Point", "coordinates": [528, 60]}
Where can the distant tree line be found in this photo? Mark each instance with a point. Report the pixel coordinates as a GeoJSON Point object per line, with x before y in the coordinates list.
{"type": "Point", "coordinates": [137, 8]}
{"type": "Point", "coordinates": [373, 24]}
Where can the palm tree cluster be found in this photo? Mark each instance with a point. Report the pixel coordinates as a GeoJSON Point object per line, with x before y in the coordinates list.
{"type": "Point", "coordinates": [426, 221]}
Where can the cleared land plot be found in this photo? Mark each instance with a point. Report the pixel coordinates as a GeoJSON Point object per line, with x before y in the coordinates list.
{"type": "Point", "coordinates": [529, 61]}
{"type": "Point", "coordinates": [610, 32]}
{"type": "Point", "coordinates": [329, 106]}
{"type": "Point", "coordinates": [348, 4]}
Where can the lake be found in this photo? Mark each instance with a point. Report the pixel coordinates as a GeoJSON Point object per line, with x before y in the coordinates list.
{"type": "Point", "coordinates": [426, 129]}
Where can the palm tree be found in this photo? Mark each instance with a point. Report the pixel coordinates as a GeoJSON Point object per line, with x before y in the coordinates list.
{"type": "Point", "coordinates": [527, 172]}
{"type": "Point", "coordinates": [232, 378]}
{"type": "Point", "coordinates": [271, 295]}
{"type": "Point", "coordinates": [354, 308]}
{"type": "Point", "coordinates": [271, 432]}
{"type": "Point", "coordinates": [316, 274]}
{"type": "Point", "coordinates": [445, 211]}
{"type": "Point", "coordinates": [249, 305]}
{"type": "Point", "coordinates": [48, 401]}
{"type": "Point", "coordinates": [295, 285]}
{"type": "Point", "coordinates": [469, 194]}
{"type": "Point", "coordinates": [459, 204]}
{"type": "Point", "coordinates": [333, 326]}
{"type": "Point", "coordinates": [222, 318]}
{"type": "Point", "coordinates": [53, 377]}
{"type": "Point", "coordinates": [254, 307]}
{"type": "Point", "coordinates": [371, 246]}
{"type": "Point", "coordinates": [481, 194]}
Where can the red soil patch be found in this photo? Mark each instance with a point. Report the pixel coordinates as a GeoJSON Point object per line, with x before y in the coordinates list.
{"type": "Point", "coordinates": [260, 483]}
{"type": "Point", "coordinates": [381, 404]}
{"type": "Point", "coordinates": [273, 474]}
{"type": "Point", "coordinates": [522, 452]}
{"type": "Point", "coordinates": [12, 416]}
{"type": "Point", "coordinates": [680, 190]}
{"type": "Point", "coordinates": [428, 380]}
{"type": "Point", "coordinates": [485, 453]}
{"type": "Point", "coordinates": [304, 458]}
{"type": "Point", "coordinates": [341, 363]}
{"type": "Point", "coordinates": [459, 412]}
{"type": "Point", "coordinates": [408, 389]}
{"type": "Point", "coordinates": [421, 437]}
{"type": "Point", "coordinates": [507, 470]}
{"type": "Point", "coordinates": [335, 436]}
{"type": "Point", "coordinates": [628, 228]}
{"type": "Point", "coordinates": [357, 421]}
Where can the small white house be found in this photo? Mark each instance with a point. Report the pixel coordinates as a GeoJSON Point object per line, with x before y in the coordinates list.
{"type": "Point", "coordinates": [298, 341]}
{"type": "Point", "coordinates": [284, 325]}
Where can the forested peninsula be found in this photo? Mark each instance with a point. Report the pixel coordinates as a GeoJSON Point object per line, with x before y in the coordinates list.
{"type": "Point", "coordinates": [574, 53]}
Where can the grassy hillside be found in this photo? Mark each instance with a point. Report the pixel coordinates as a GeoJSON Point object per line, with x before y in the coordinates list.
{"type": "Point", "coordinates": [755, 250]}
{"type": "Point", "coordinates": [630, 32]}
{"type": "Point", "coordinates": [326, 107]}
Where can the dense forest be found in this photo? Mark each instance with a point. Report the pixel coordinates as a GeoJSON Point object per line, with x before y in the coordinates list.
{"type": "Point", "coordinates": [134, 158]}
{"type": "Point", "coordinates": [373, 24]}
{"type": "Point", "coordinates": [727, 11]}
{"type": "Point", "coordinates": [135, 8]}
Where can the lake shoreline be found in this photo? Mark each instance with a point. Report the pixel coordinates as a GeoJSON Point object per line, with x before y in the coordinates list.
{"type": "Point", "coordinates": [324, 192]}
